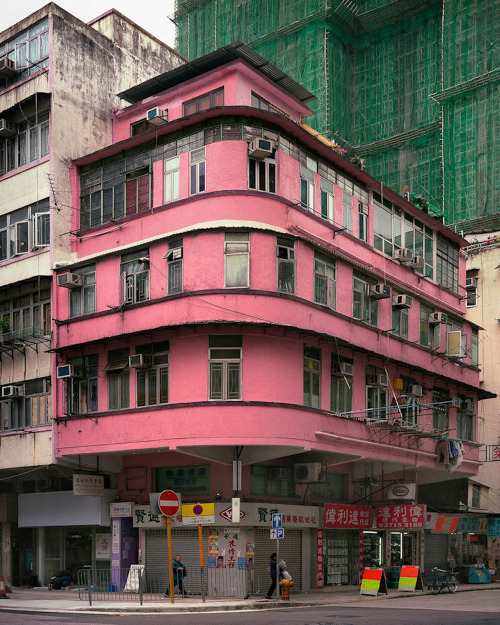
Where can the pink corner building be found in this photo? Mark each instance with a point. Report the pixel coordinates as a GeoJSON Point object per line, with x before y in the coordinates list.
{"type": "Point", "coordinates": [245, 313]}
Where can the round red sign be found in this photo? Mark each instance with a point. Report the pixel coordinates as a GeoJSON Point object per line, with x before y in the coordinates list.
{"type": "Point", "coordinates": [168, 502]}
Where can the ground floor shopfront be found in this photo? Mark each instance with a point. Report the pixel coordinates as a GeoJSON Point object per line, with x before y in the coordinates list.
{"type": "Point", "coordinates": [57, 530]}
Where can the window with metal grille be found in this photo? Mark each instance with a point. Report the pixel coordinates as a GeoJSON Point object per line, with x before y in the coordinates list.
{"type": "Point", "coordinates": [134, 276]}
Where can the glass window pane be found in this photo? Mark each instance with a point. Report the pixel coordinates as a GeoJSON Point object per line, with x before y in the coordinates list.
{"type": "Point", "coordinates": [236, 270]}
{"type": "Point", "coordinates": [164, 385]}
{"type": "Point", "coordinates": [215, 380]}
{"type": "Point", "coordinates": [141, 388]}
{"type": "Point", "coordinates": [233, 380]}
{"type": "Point", "coordinates": [152, 398]}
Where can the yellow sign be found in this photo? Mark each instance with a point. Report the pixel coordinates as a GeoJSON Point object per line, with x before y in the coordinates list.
{"type": "Point", "coordinates": [198, 514]}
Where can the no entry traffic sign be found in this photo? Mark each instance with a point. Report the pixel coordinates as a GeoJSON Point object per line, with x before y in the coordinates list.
{"type": "Point", "coordinates": [168, 502]}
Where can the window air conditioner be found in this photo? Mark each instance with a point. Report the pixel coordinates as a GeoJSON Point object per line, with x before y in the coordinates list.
{"type": "Point", "coordinates": [7, 128]}
{"type": "Point", "coordinates": [157, 116]}
{"type": "Point", "coordinates": [11, 391]}
{"type": "Point", "coordinates": [306, 472]}
{"type": "Point", "coordinates": [260, 148]}
{"type": "Point", "coordinates": [469, 405]}
{"type": "Point", "coordinates": [7, 67]}
{"type": "Point", "coordinates": [382, 380]}
{"type": "Point", "coordinates": [416, 390]}
{"type": "Point", "coordinates": [69, 371]}
{"type": "Point", "coordinates": [437, 317]}
{"type": "Point", "coordinates": [380, 291]}
{"type": "Point", "coordinates": [347, 368]}
{"type": "Point", "coordinates": [139, 361]}
{"type": "Point", "coordinates": [404, 255]}
{"type": "Point", "coordinates": [456, 402]}
{"type": "Point", "coordinates": [417, 262]}
{"type": "Point", "coordinates": [470, 283]}
{"type": "Point", "coordinates": [69, 280]}
{"type": "Point", "coordinates": [402, 301]}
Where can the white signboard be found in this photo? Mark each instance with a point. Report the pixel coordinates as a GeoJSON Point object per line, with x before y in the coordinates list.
{"type": "Point", "coordinates": [84, 484]}
{"type": "Point", "coordinates": [121, 509]}
{"type": "Point", "coordinates": [144, 517]}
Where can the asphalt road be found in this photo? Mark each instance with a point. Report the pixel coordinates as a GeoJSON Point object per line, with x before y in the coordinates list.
{"type": "Point", "coordinates": [468, 608]}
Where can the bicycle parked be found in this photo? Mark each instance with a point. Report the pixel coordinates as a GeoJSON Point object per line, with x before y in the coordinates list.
{"type": "Point", "coordinates": [443, 579]}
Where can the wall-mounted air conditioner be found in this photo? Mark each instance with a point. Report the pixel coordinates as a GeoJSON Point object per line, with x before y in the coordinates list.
{"type": "Point", "coordinates": [139, 361]}
{"type": "Point", "coordinates": [347, 368]}
{"type": "Point", "coordinates": [379, 291]}
{"type": "Point", "coordinates": [69, 280]}
{"type": "Point", "coordinates": [11, 391]}
{"type": "Point", "coordinates": [69, 371]}
{"type": "Point", "coordinates": [7, 128]}
{"type": "Point", "coordinates": [306, 472]}
{"type": "Point", "coordinates": [438, 317]}
{"type": "Point", "coordinates": [417, 262]}
{"type": "Point", "coordinates": [404, 255]}
{"type": "Point", "coordinates": [260, 148]}
{"type": "Point", "coordinates": [456, 402]}
{"type": "Point", "coordinates": [157, 116]}
{"type": "Point", "coordinates": [469, 405]}
{"type": "Point", "coordinates": [416, 390]}
{"type": "Point", "coordinates": [7, 67]}
{"type": "Point", "coordinates": [470, 283]}
{"type": "Point", "coordinates": [402, 301]}
{"type": "Point", "coordinates": [382, 379]}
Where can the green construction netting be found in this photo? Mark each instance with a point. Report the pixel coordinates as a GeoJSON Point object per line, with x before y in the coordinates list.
{"type": "Point", "coordinates": [374, 65]}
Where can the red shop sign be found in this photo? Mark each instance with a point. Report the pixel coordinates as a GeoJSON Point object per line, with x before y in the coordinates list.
{"type": "Point", "coordinates": [347, 516]}
{"type": "Point", "coordinates": [389, 517]}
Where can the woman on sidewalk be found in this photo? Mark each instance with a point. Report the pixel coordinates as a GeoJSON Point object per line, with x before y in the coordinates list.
{"type": "Point", "coordinates": [273, 571]}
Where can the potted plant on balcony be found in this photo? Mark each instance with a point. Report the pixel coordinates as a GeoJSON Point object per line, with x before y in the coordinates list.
{"type": "Point", "coordinates": [5, 335]}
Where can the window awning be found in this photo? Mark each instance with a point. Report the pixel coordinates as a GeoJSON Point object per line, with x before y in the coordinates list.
{"type": "Point", "coordinates": [116, 365]}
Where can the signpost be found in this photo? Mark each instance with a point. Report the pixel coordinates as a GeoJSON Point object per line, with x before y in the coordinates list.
{"type": "Point", "coordinates": [199, 514]}
{"type": "Point", "coordinates": [277, 520]}
{"type": "Point", "coordinates": [169, 503]}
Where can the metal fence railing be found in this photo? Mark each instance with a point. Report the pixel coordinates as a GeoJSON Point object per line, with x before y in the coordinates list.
{"type": "Point", "coordinates": [146, 585]}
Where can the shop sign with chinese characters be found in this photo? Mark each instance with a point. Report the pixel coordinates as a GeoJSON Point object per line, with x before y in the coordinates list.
{"type": "Point", "coordinates": [320, 579]}
{"type": "Point", "coordinates": [143, 517]}
{"type": "Point", "coordinates": [404, 517]}
{"type": "Point", "coordinates": [291, 516]}
{"type": "Point", "coordinates": [85, 484]}
{"type": "Point", "coordinates": [347, 516]}
{"type": "Point", "coordinates": [121, 509]}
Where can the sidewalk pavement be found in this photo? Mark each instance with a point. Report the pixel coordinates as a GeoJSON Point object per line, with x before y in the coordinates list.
{"type": "Point", "coordinates": [41, 600]}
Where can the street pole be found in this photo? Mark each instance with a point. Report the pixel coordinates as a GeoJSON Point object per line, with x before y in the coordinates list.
{"type": "Point", "coordinates": [170, 567]}
{"type": "Point", "coordinates": [200, 541]}
{"type": "Point", "coordinates": [278, 569]}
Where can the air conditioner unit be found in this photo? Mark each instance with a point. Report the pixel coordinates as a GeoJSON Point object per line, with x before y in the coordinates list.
{"type": "Point", "coordinates": [69, 371]}
{"type": "Point", "coordinates": [69, 280]}
{"type": "Point", "coordinates": [11, 391]}
{"type": "Point", "coordinates": [382, 380]}
{"type": "Point", "coordinates": [7, 67]}
{"type": "Point", "coordinates": [380, 291]}
{"type": "Point", "coordinates": [139, 361]}
{"type": "Point", "coordinates": [469, 405]}
{"type": "Point", "coordinates": [456, 402]}
{"type": "Point", "coordinates": [438, 317]}
{"type": "Point", "coordinates": [347, 368]}
{"type": "Point", "coordinates": [260, 148]}
{"type": "Point", "coordinates": [416, 390]}
{"type": "Point", "coordinates": [470, 283]}
{"type": "Point", "coordinates": [307, 472]}
{"type": "Point", "coordinates": [404, 255]}
{"type": "Point", "coordinates": [157, 116]}
{"type": "Point", "coordinates": [7, 128]}
{"type": "Point", "coordinates": [402, 301]}
{"type": "Point", "coordinates": [417, 262]}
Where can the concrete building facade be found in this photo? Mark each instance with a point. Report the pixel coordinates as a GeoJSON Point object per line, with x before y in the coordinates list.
{"type": "Point", "coordinates": [58, 83]}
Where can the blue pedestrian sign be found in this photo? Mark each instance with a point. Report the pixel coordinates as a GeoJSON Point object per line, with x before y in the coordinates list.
{"type": "Point", "coordinates": [277, 520]}
{"type": "Point", "coordinates": [278, 533]}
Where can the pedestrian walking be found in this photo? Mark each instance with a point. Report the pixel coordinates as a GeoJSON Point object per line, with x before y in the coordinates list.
{"type": "Point", "coordinates": [273, 572]}
{"type": "Point", "coordinates": [180, 573]}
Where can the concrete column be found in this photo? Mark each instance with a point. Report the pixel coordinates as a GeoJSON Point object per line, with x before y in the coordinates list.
{"type": "Point", "coordinates": [6, 568]}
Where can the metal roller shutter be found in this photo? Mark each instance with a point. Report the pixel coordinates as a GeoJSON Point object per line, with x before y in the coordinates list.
{"type": "Point", "coordinates": [436, 551]}
{"type": "Point", "coordinates": [185, 543]}
{"type": "Point", "coordinates": [290, 551]}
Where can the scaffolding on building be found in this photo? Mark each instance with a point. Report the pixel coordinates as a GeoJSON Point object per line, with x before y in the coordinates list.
{"type": "Point", "coordinates": [410, 85]}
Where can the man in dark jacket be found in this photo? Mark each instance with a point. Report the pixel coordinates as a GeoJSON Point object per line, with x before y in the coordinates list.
{"type": "Point", "coordinates": [62, 579]}
{"type": "Point", "coordinates": [273, 571]}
